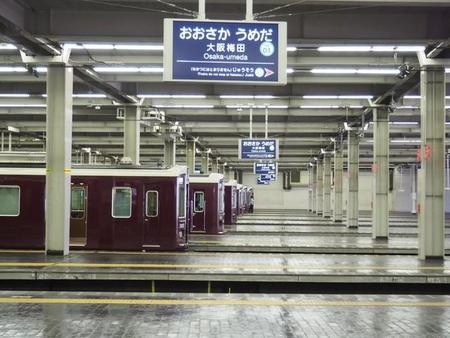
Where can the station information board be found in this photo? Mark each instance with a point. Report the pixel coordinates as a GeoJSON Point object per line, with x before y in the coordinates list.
{"type": "Point", "coordinates": [258, 149]}
{"type": "Point", "coordinates": [249, 52]}
{"type": "Point", "coordinates": [265, 168]}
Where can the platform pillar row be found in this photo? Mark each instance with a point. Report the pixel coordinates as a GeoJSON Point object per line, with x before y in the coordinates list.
{"type": "Point", "coordinates": [327, 186]}
{"type": "Point", "coordinates": [380, 172]}
{"type": "Point", "coordinates": [319, 187]}
{"type": "Point", "coordinates": [59, 157]}
{"type": "Point", "coordinates": [313, 188]}
{"type": "Point", "coordinates": [353, 178]}
{"type": "Point", "coordinates": [190, 156]}
{"type": "Point", "coordinates": [338, 169]}
{"type": "Point", "coordinates": [170, 150]}
{"type": "Point", "coordinates": [205, 163]}
{"type": "Point", "coordinates": [132, 134]}
{"type": "Point", "coordinates": [431, 177]}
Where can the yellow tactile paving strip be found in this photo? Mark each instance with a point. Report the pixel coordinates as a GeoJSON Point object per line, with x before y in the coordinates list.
{"type": "Point", "coordinates": [218, 302]}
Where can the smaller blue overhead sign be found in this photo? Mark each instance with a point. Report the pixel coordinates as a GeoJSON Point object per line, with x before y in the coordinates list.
{"type": "Point", "coordinates": [265, 168]}
{"type": "Point", "coordinates": [262, 180]}
{"type": "Point", "coordinates": [258, 149]}
{"type": "Point", "coordinates": [225, 51]}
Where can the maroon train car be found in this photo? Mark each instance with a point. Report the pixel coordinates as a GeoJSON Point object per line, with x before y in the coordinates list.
{"type": "Point", "coordinates": [207, 195]}
{"type": "Point", "coordinates": [231, 211]}
{"type": "Point", "coordinates": [111, 209]}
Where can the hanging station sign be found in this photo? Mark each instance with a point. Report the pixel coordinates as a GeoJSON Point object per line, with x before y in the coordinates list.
{"type": "Point", "coordinates": [262, 180]}
{"type": "Point", "coordinates": [258, 149]}
{"type": "Point", "coordinates": [265, 168]}
{"type": "Point", "coordinates": [225, 51]}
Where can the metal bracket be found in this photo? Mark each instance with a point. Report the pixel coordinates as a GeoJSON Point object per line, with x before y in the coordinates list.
{"type": "Point", "coordinates": [63, 58]}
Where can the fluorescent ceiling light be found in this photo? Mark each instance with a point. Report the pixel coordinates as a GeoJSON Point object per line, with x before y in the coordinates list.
{"type": "Point", "coordinates": [89, 96]}
{"type": "Point", "coordinates": [407, 107]}
{"type": "Point", "coordinates": [403, 123]}
{"type": "Point", "coordinates": [318, 107]}
{"type": "Point", "coordinates": [139, 47]}
{"type": "Point", "coordinates": [412, 97]}
{"type": "Point", "coordinates": [405, 141]}
{"type": "Point", "coordinates": [187, 96]}
{"type": "Point", "coordinates": [129, 69]}
{"type": "Point", "coordinates": [289, 70]}
{"type": "Point", "coordinates": [236, 106]}
{"type": "Point", "coordinates": [7, 46]}
{"type": "Point", "coordinates": [23, 105]}
{"type": "Point", "coordinates": [344, 49]}
{"type": "Point", "coordinates": [98, 46]}
{"type": "Point", "coordinates": [14, 95]}
{"type": "Point", "coordinates": [370, 48]}
{"type": "Point", "coordinates": [168, 96]}
{"type": "Point", "coordinates": [344, 97]}
{"type": "Point", "coordinates": [194, 106]}
{"type": "Point", "coordinates": [291, 49]}
{"type": "Point", "coordinates": [41, 69]}
{"type": "Point", "coordinates": [366, 71]}
{"type": "Point", "coordinates": [249, 97]}
{"type": "Point", "coordinates": [13, 70]}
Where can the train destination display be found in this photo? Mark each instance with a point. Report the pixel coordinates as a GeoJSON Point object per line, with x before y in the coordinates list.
{"type": "Point", "coordinates": [258, 149]}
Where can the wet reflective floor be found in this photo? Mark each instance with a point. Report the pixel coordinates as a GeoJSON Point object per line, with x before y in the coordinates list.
{"type": "Point", "coordinates": [52, 314]}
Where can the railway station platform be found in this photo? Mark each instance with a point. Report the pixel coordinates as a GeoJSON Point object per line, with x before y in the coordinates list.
{"type": "Point", "coordinates": [86, 314]}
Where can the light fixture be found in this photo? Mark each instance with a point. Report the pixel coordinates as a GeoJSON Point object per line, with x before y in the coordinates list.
{"type": "Point", "coordinates": [342, 97]}
{"type": "Point", "coordinates": [7, 46]}
{"type": "Point", "coordinates": [365, 71]}
{"type": "Point", "coordinates": [289, 70]}
{"type": "Point", "coordinates": [168, 96]}
{"type": "Point", "coordinates": [139, 47]}
{"type": "Point", "coordinates": [9, 69]}
{"type": "Point", "coordinates": [291, 48]}
{"type": "Point", "coordinates": [129, 69]}
{"type": "Point", "coordinates": [13, 129]}
{"type": "Point", "coordinates": [14, 95]}
{"type": "Point", "coordinates": [93, 96]}
{"type": "Point", "coordinates": [41, 69]}
{"type": "Point", "coordinates": [318, 107]}
{"type": "Point", "coordinates": [344, 49]}
{"type": "Point", "coordinates": [23, 105]}
{"type": "Point", "coordinates": [381, 48]}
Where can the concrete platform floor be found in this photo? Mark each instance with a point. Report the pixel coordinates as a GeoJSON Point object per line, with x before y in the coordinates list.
{"type": "Point", "coordinates": [240, 267]}
{"type": "Point", "coordinates": [52, 314]}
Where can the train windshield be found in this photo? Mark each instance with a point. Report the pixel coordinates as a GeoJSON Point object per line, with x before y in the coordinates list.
{"type": "Point", "coordinates": [182, 196]}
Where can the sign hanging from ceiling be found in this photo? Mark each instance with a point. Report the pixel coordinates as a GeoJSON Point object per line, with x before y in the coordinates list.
{"type": "Point", "coordinates": [258, 149]}
{"type": "Point", "coordinates": [265, 168]}
{"type": "Point", "coordinates": [262, 180]}
{"type": "Point", "coordinates": [225, 51]}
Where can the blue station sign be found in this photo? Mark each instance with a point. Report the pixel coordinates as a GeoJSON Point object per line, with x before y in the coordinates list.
{"type": "Point", "coordinates": [265, 168]}
{"type": "Point", "coordinates": [262, 180]}
{"type": "Point", "coordinates": [258, 149]}
{"type": "Point", "coordinates": [225, 51]}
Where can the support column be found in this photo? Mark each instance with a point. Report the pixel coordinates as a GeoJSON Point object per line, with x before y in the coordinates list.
{"type": "Point", "coordinates": [131, 133]}
{"type": "Point", "coordinates": [190, 156]}
{"type": "Point", "coordinates": [431, 180]}
{"type": "Point", "coordinates": [310, 201]}
{"type": "Point", "coordinates": [205, 163]}
{"type": "Point", "coordinates": [313, 187]}
{"type": "Point", "coordinates": [59, 156]}
{"type": "Point", "coordinates": [170, 150]}
{"type": "Point", "coordinates": [214, 165]}
{"type": "Point", "coordinates": [319, 188]}
{"type": "Point", "coordinates": [338, 169]}
{"type": "Point", "coordinates": [327, 186]}
{"type": "Point", "coordinates": [380, 169]}
{"type": "Point", "coordinates": [353, 179]}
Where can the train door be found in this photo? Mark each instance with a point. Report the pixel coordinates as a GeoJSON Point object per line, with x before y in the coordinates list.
{"type": "Point", "coordinates": [151, 216]}
{"type": "Point", "coordinates": [78, 215]}
{"type": "Point", "coordinates": [199, 221]}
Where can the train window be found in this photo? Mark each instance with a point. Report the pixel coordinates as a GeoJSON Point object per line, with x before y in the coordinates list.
{"type": "Point", "coordinates": [9, 200]}
{"type": "Point", "coordinates": [233, 198]}
{"type": "Point", "coordinates": [152, 204]}
{"type": "Point", "coordinates": [121, 202]}
{"type": "Point", "coordinates": [199, 201]}
{"type": "Point", "coordinates": [221, 196]}
{"type": "Point", "coordinates": [77, 203]}
{"type": "Point", "coordinates": [182, 197]}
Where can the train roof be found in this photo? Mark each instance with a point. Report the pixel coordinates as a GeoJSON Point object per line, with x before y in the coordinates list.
{"type": "Point", "coordinates": [211, 178]}
{"type": "Point", "coordinates": [102, 171]}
